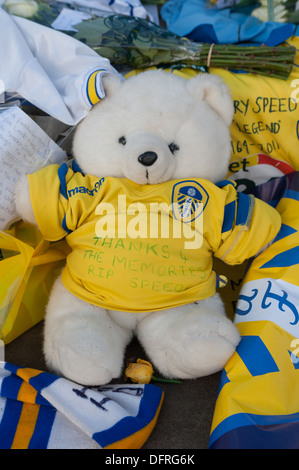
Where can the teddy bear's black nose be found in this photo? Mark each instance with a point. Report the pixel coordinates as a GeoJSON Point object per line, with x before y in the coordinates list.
{"type": "Point", "coordinates": [148, 158]}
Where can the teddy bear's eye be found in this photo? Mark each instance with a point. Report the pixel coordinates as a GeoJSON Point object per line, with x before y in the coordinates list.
{"type": "Point", "coordinates": [173, 147]}
{"type": "Point", "coordinates": [122, 140]}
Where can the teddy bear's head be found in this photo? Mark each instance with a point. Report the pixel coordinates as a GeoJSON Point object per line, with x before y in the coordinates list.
{"type": "Point", "coordinates": [157, 126]}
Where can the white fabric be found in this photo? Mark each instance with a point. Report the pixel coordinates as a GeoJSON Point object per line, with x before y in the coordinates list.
{"type": "Point", "coordinates": [71, 416]}
{"type": "Point", "coordinates": [113, 7]}
{"type": "Point", "coordinates": [48, 68]}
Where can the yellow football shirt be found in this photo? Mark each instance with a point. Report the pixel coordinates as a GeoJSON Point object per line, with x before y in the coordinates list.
{"type": "Point", "coordinates": [146, 247]}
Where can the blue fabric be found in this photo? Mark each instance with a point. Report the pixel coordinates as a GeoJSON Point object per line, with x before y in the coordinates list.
{"type": "Point", "coordinates": [193, 19]}
{"type": "Point", "coordinates": [251, 431]}
{"type": "Point", "coordinates": [256, 356]}
{"type": "Point", "coordinates": [229, 216]}
{"type": "Point", "coordinates": [243, 210]}
{"type": "Point", "coordinates": [62, 171]}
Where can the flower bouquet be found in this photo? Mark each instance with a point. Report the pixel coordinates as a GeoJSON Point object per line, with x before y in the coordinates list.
{"type": "Point", "coordinates": [138, 43]}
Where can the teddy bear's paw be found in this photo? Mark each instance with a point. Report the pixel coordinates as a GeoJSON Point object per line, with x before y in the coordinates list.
{"type": "Point", "coordinates": [22, 200]}
{"type": "Point", "coordinates": [89, 354]}
{"type": "Point", "coordinates": [192, 346]}
{"type": "Point", "coordinates": [81, 369]}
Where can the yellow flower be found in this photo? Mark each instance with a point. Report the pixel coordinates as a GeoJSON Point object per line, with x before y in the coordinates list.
{"type": "Point", "coordinates": [140, 372]}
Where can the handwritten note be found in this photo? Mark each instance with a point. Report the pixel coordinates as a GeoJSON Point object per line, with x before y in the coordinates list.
{"type": "Point", "coordinates": [24, 148]}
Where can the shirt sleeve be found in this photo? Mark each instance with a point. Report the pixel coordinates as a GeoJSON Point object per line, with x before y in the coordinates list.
{"type": "Point", "coordinates": [49, 200]}
{"type": "Point", "coordinates": [249, 224]}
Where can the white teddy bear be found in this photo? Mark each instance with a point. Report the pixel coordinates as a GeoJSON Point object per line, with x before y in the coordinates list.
{"type": "Point", "coordinates": [142, 214]}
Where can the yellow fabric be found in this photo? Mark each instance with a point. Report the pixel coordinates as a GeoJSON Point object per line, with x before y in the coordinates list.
{"type": "Point", "coordinates": [274, 393]}
{"type": "Point", "coordinates": [26, 426]}
{"type": "Point", "coordinates": [266, 122]}
{"type": "Point", "coordinates": [27, 393]}
{"type": "Point", "coordinates": [27, 272]}
{"type": "Point", "coordinates": [142, 274]}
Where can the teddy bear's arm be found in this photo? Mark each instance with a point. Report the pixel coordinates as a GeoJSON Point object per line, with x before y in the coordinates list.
{"type": "Point", "coordinates": [248, 237]}
{"type": "Point", "coordinates": [43, 198]}
{"type": "Point", "coordinates": [22, 200]}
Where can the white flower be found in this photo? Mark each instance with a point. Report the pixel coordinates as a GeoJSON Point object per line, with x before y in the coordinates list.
{"type": "Point", "coordinates": [24, 8]}
{"type": "Point", "coordinates": [280, 12]}
{"type": "Point", "coordinates": [260, 13]}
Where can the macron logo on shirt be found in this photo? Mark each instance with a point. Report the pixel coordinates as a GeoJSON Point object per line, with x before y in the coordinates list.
{"type": "Point", "coordinates": [84, 190]}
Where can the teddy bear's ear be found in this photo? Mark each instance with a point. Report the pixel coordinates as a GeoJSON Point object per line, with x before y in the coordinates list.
{"type": "Point", "coordinates": [212, 89]}
{"type": "Point", "coordinates": [111, 83]}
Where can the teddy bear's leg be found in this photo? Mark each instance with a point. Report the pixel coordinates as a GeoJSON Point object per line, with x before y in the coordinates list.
{"type": "Point", "coordinates": [81, 342]}
{"type": "Point", "coordinates": [189, 341]}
